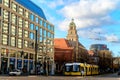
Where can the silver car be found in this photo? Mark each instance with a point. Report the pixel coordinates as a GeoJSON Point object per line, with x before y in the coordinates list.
{"type": "Point", "coordinates": [15, 72]}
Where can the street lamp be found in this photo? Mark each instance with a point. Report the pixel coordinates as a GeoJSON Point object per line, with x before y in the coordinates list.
{"type": "Point", "coordinates": [36, 47]}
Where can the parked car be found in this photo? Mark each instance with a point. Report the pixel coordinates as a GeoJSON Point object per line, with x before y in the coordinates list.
{"type": "Point", "coordinates": [15, 72]}
{"type": "Point", "coordinates": [119, 72]}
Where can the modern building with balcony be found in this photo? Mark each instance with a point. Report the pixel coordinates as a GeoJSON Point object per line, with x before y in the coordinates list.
{"type": "Point", "coordinates": [19, 22]}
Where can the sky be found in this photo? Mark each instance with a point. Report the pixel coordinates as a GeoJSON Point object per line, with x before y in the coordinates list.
{"type": "Point", "coordinates": [97, 21]}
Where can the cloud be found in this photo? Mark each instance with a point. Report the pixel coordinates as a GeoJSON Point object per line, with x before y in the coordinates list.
{"type": "Point", "coordinates": [112, 38]}
{"type": "Point", "coordinates": [98, 34]}
{"type": "Point", "coordinates": [55, 3]}
{"type": "Point", "coordinates": [88, 13]}
{"type": "Point", "coordinates": [94, 34]}
{"type": "Point", "coordinates": [89, 8]}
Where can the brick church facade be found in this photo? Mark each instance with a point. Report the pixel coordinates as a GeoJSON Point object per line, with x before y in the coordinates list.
{"type": "Point", "coordinates": [69, 49]}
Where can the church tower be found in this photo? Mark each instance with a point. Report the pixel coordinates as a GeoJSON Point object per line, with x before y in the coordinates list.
{"type": "Point", "coordinates": [72, 37]}
{"type": "Point", "coordinates": [72, 32]}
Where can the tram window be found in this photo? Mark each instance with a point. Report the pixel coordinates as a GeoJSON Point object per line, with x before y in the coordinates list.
{"type": "Point", "coordinates": [76, 68]}
{"type": "Point", "coordinates": [68, 68]}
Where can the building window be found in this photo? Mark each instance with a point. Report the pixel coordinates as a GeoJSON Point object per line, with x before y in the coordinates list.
{"type": "Point", "coordinates": [31, 26]}
{"type": "Point", "coordinates": [5, 28]}
{"type": "Point", "coordinates": [4, 39]}
{"type": "Point", "coordinates": [20, 10]}
{"type": "Point", "coordinates": [26, 33]}
{"type": "Point", "coordinates": [48, 34]}
{"type": "Point", "coordinates": [26, 14]}
{"type": "Point", "coordinates": [14, 19]}
{"type": "Point", "coordinates": [51, 42]}
{"type": "Point", "coordinates": [5, 15]}
{"type": "Point", "coordinates": [25, 55]}
{"type": "Point", "coordinates": [13, 41]}
{"type": "Point", "coordinates": [25, 43]}
{"type": "Point", "coordinates": [52, 36]}
{"type": "Point", "coordinates": [31, 35]}
{"type": "Point", "coordinates": [4, 52]}
{"type": "Point", "coordinates": [36, 20]}
{"type": "Point", "coordinates": [26, 24]}
{"type": "Point", "coordinates": [14, 7]}
{"type": "Point", "coordinates": [19, 55]}
{"type": "Point", "coordinates": [20, 22]}
{"type": "Point", "coordinates": [48, 27]}
{"type": "Point", "coordinates": [31, 56]}
{"type": "Point", "coordinates": [12, 53]}
{"type": "Point", "coordinates": [31, 17]}
{"type": "Point", "coordinates": [6, 2]}
{"type": "Point", "coordinates": [45, 24]}
{"type": "Point", "coordinates": [44, 33]}
{"type": "Point", "coordinates": [19, 43]}
{"type": "Point", "coordinates": [36, 28]}
{"type": "Point", "coordinates": [51, 49]}
{"type": "Point", "coordinates": [40, 22]}
{"type": "Point", "coordinates": [40, 39]}
{"type": "Point", "coordinates": [13, 30]}
{"type": "Point", "coordinates": [40, 31]}
{"type": "Point", "coordinates": [44, 49]}
{"type": "Point", "coordinates": [52, 28]}
{"type": "Point", "coordinates": [20, 32]}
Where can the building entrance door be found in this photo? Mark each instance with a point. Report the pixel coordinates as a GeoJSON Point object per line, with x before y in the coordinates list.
{"type": "Point", "coordinates": [4, 62]}
{"type": "Point", "coordinates": [12, 64]}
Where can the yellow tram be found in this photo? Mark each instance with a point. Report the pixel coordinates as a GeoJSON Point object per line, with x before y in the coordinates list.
{"type": "Point", "coordinates": [80, 69]}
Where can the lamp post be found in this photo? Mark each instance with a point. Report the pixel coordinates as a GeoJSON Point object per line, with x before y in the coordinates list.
{"type": "Point", "coordinates": [46, 65]}
{"type": "Point", "coordinates": [36, 51]}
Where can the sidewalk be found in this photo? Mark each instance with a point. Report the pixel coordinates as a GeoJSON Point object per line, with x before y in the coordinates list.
{"type": "Point", "coordinates": [109, 75]}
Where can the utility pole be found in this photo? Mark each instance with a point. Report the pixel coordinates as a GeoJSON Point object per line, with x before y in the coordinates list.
{"type": "Point", "coordinates": [112, 65]}
{"type": "Point", "coordinates": [36, 47]}
{"type": "Point", "coordinates": [103, 61]}
{"type": "Point", "coordinates": [118, 63]}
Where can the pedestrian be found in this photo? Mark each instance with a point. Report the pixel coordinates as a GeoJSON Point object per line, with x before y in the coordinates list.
{"type": "Point", "coordinates": [82, 72]}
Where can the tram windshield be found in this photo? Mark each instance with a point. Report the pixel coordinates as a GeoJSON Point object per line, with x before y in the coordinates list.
{"type": "Point", "coordinates": [76, 68]}
{"type": "Point", "coordinates": [68, 68]}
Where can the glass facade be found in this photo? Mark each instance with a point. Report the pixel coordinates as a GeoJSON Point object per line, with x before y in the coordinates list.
{"type": "Point", "coordinates": [98, 47]}
{"type": "Point", "coordinates": [18, 25]}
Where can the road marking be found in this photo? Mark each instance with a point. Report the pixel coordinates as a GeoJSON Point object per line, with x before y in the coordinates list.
{"type": "Point", "coordinates": [31, 76]}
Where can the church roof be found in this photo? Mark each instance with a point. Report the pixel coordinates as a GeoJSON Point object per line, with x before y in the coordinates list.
{"type": "Point", "coordinates": [73, 44]}
{"type": "Point", "coordinates": [62, 43]}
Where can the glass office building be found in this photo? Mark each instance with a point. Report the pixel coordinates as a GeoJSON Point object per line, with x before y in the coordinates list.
{"type": "Point", "coordinates": [19, 20]}
{"type": "Point", "coordinates": [98, 47]}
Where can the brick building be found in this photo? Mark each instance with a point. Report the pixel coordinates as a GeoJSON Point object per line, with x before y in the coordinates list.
{"type": "Point", "coordinates": [63, 53]}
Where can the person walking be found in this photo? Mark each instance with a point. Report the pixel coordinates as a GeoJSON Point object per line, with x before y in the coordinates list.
{"type": "Point", "coordinates": [82, 72]}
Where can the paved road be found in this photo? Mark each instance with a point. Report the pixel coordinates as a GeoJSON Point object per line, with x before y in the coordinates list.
{"type": "Point", "coordinates": [100, 77]}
